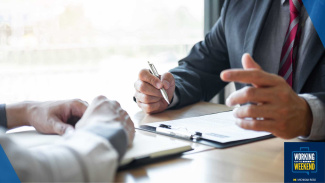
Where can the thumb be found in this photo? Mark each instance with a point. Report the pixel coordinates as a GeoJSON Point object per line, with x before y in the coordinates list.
{"type": "Point", "coordinates": [249, 63]}
{"type": "Point", "coordinates": [60, 128]}
{"type": "Point", "coordinates": [167, 80]}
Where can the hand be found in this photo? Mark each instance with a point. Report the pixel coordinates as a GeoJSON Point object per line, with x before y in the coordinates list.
{"type": "Point", "coordinates": [278, 108]}
{"type": "Point", "coordinates": [147, 93]}
{"type": "Point", "coordinates": [102, 110]}
{"type": "Point", "coordinates": [46, 117]}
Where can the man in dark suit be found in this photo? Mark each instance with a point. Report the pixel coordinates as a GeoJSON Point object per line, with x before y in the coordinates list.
{"type": "Point", "coordinates": [284, 76]}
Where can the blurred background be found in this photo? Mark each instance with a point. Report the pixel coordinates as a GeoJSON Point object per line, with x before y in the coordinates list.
{"type": "Point", "coordinates": [62, 49]}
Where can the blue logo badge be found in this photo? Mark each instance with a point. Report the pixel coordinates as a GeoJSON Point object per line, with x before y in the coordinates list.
{"type": "Point", "coordinates": [304, 161]}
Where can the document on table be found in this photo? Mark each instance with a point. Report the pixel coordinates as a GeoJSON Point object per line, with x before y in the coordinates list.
{"type": "Point", "coordinates": [219, 127]}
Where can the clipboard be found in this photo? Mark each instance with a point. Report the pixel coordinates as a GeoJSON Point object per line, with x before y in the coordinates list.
{"type": "Point", "coordinates": [165, 128]}
{"type": "Point", "coordinates": [211, 143]}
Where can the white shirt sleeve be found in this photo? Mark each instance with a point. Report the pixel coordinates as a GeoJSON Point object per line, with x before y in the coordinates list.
{"type": "Point", "coordinates": [174, 102]}
{"type": "Point", "coordinates": [318, 111]}
{"type": "Point", "coordinates": [79, 157]}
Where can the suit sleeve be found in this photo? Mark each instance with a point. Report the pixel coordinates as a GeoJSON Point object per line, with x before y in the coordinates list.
{"type": "Point", "coordinates": [198, 75]}
{"type": "Point", "coordinates": [83, 156]}
{"type": "Point", "coordinates": [3, 116]}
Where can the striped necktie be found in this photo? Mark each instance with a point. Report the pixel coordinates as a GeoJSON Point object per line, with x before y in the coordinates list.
{"type": "Point", "coordinates": [291, 43]}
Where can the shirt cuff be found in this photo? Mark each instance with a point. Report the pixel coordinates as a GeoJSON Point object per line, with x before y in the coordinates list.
{"type": "Point", "coordinates": [113, 132]}
{"type": "Point", "coordinates": [318, 126]}
{"type": "Point", "coordinates": [174, 102]}
{"type": "Point", "coordinates": [3, 116]}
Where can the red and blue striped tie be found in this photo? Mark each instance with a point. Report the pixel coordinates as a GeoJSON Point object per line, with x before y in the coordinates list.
{"type": "Point", "coordinates": [291, 42]}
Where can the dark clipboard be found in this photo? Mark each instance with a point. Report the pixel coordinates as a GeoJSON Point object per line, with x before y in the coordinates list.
{"type": "Point", "coordinates": [209, 142]}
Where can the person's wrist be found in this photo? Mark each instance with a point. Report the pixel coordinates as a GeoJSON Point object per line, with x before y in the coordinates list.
{"type": "Point", "coordinates": [28, 111]}
{"type": "Point", "coordinates": [17, 114]}
{"type": "Point", "coordinates": [308, 119]}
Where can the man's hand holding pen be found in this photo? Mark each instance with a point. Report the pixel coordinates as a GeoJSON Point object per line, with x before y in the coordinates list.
{"type": "Point", "coordinates": [147, 91]}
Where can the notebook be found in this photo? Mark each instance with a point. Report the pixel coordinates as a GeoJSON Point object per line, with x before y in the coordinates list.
{"type": "Point", "coordinates": [148, 147]}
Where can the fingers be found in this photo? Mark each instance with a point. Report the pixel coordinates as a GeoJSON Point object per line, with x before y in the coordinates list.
{"type": "Point", "coordinates": [151, 104]}
{"type": "Point", "coordinates": [101, 102]}
{"type": "Point", "coordinates": [146, 98]}
{"type": "Point", "coordinates": [98, 99]}
{"type": "Point", "coordinates": [147, 83]}
{"type": "Point", "coordinates": [251, 76]}
{"type": "Point", "coordinates": [257, 125]}
{"type": "Point", "coordinates": [145, 76]}
{"type": "Point", "coordinates": [146, 88]}
{"type": "Point", "coordinates": [74, 110]}
{"type": "Point", "coordinates": [249, 63]}
{"type": "Point", "coordinates": [60, 127]}
{"type": "Point", "coordinates": [250, 95]}
{"type": "Point", "coordinates": [264, 111]}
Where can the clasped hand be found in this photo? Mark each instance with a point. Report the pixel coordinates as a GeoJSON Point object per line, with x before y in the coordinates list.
{"type": "Point", "coordinates": [57, 117]}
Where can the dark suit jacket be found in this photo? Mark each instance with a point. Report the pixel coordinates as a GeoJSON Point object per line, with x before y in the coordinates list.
{"type": "Point", "coordinates": [235, 33]}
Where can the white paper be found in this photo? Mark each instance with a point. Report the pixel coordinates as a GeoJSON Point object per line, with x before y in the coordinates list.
{"type": "Point", "coordinates": [220, 127]}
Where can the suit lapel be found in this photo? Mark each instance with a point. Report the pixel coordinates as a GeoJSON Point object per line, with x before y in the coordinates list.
{"type": "Point", "coordinates": [257, 20]}
{"type": "Point", "coordinates": [312, 53]}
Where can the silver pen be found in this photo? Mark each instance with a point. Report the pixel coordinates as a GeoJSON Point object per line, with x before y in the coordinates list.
{"type": "Point", "coordinates": [174, 133]}
{"type": "Point", "coordinates": [154, 72]}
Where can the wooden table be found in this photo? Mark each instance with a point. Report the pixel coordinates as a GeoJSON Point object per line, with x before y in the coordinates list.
{"type": "Point", "coordinates": [261, 161]}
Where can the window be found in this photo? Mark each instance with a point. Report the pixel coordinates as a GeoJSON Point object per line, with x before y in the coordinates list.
{"type": "Point", "coordinates": [61, 49]}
